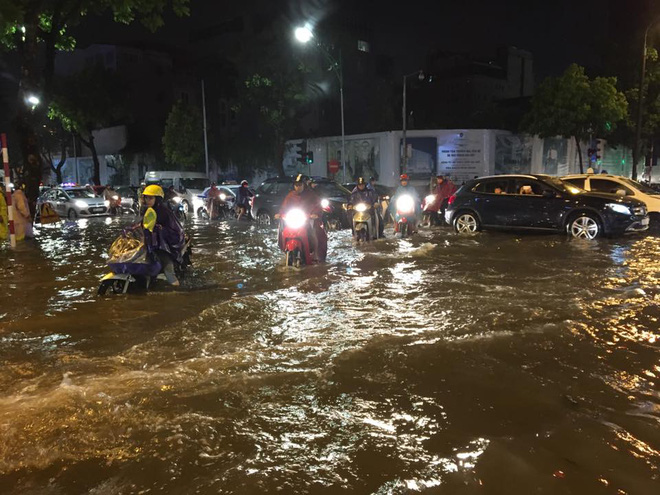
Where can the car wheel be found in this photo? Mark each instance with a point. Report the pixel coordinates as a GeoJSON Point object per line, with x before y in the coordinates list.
{"type": "Point", "coordinates": [466, 223]}
{"type": "Point", "coordinates": [263, 218]}
{"type": "Point", "coordinates": [71, 214]}
{"type": "Point", "coordinates": [584, 226]}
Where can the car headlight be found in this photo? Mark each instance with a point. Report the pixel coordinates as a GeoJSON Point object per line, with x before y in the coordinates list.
{"type": "Point", "coordinates": [325, 203]}
{"type": "Point", "coordinates": [223, 197]}
{"type": "Point", "coordinates": [295, 218]}
{"type": "Point", "coordinates": [360, 207]}
{"type": "Point", "coordinates": [619, 208]}
{"type": "Point", "coordinates": [176, 199]}
{"type": "Point", "coordinates": [81, 204]}
{"type": "Point", "coordinates": [198, 202]}
{"type": "Point", "coordinates": [430, 199]}
{"type": "Point", "coordinates": [105, 202]}
{"type": "Point", "coordinates": [405, 204]}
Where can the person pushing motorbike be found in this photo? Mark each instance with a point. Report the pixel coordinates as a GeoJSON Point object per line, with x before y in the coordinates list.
{"type": "Point", "coordinates": [167, 238]}
{"type": "Point", "coordinates": [243, 200]}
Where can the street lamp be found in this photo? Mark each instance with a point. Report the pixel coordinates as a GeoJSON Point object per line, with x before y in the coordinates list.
{"type": "Point", "coordinates": [640, 102]}
{"type": "Point", "coordinates": [404, 154]}
{"type": "Point", "coordinates": [304, 34]}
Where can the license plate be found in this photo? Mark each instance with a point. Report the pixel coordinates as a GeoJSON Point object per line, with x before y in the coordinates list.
{"type": "Point", "coordinates": [96, 210]}
{"type": "Point", "coordinates": [645, 221]}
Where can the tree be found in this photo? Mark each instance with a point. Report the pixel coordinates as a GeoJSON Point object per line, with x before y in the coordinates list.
{"type": "Point", "coordinates": [54, 139]}
{"type": "Point", "coordinates": [87, 101]}
{"type": "Point", "coordinates": [184, 137]}
{"type": "Point", "coordinates": [574, 106]}
{"type": "Point", "coordinates": [36, 29]}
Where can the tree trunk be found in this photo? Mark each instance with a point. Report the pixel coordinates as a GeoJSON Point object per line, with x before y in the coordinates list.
{"type": "Point", "coordinates": [95, 157]}
{"type": "Point", "coordinates": [58, 168]}
{"type": "Point", "coordinates": [579, 150]}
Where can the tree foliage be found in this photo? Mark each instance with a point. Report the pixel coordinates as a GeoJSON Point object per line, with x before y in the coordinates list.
{"type": "Point", "coordinates": [87, 101]}
{"type": "Point", "coordinates": [183, 142]}
{"type": "Point", "coordinates": [574, 106]}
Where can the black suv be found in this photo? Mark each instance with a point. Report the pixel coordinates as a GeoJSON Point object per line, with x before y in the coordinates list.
{"type": "Point", "coordinates": [270, 194]}
{"type": "Point", "coordinates": [542, 202]}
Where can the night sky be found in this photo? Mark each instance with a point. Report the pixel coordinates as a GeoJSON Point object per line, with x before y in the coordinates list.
{"type": "Point", "coordinates": [557, 32]}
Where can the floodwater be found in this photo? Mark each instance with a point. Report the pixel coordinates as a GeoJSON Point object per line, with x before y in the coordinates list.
{"type": "Point", "coordinates": [494, 363]}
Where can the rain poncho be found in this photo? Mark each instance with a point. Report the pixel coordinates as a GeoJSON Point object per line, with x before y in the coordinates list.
{"type": "Point", "coordinates": [22, 217]}
{"type": "Point", "coordinates": [4, 217]}
{"type": "Point", "coordinates": [168, 234]}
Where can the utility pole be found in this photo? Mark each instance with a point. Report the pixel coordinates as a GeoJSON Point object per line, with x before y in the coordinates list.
{"type": "Point", "coordinates": [206, 143]}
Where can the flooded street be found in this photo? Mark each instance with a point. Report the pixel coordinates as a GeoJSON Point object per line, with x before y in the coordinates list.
{"type": "Point", "coordinates": [493, 363]}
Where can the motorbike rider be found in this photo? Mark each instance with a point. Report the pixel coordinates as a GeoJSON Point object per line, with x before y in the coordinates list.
{"type": "Point", "coordinates": [406, 189]}
{"type": "Point", "coordinates": [308, 201]}
{"type": "Point", "coordinates": [211, 196]}
{"type": "Point", "coordinates": [362, 193]}
{"type": "Point", "coordinates": [443, 189]}
{"type": "Point", "coordinates": [243, 199]}
{"type": "Point", "coordinates": [167, 238]}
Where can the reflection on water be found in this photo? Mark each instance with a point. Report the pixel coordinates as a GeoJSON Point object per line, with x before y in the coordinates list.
{"type": "Point", "coordinates": [456, 364]}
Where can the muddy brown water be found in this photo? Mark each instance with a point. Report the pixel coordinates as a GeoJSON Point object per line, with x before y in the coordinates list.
{"type": "Point", "coordinates": [493, 363]}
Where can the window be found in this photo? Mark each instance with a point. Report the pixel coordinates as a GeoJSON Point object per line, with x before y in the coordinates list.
{"type": "Point", "coordinates": [492, 187]}
{"type": "Point", "coordinates": [576, 182]}
{"type": "Point", "coordinates": [194, 183]}
{"type": "Point", "coordinates": [609, 186]}
{"type": "Point", "coordinates": [527, 187]}
{"type": "Point", "coordinates": [266, 188]}
{"type": "Point", "coordinates": [363, 46]}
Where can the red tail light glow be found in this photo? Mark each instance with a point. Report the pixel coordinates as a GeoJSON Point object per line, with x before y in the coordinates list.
{"type": "Point", "coordinates": [451, 199]}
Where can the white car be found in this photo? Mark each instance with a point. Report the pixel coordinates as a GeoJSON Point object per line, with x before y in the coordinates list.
{"type": "Point", "coordinates": [75, 202]}
{"type": "Point", "coordinates": [615, 184]}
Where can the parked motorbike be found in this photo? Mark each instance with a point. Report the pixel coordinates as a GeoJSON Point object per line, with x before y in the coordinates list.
{"type": "Point", "coordinates": [404, 217]}
{"type": "Point", "coordinates": [132, 263]}
{"type": "Point", "coordinates": [114, 205]}
{"type": "Point", "coordinates": [294, 241]}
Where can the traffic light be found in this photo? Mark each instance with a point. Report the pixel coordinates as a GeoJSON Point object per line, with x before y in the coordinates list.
{"type": "Point", "coordinates": [600, 148]}
{"type": "Point", "coordinates": [309, 157]}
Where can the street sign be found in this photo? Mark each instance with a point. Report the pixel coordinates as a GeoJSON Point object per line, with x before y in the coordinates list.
{"type": "Point", "coordinates": [333, 166]}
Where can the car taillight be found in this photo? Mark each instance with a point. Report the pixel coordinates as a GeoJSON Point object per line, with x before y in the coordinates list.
{"type": "Point", "coordinates": [451, 199]}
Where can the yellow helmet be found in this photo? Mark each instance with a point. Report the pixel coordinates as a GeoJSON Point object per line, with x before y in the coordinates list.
{"type": "Point", "coordinates": [153, 190]}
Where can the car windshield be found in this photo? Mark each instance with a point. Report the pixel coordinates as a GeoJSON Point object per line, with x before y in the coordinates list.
{"type": "Point", "coordinates": [332, 190]}
{"type": "Point", "coordinates": [200, 183]}
{"type": "Point", "coordinates": [640, 187]}
{"type": "Point", "coordinates": [79, 193]}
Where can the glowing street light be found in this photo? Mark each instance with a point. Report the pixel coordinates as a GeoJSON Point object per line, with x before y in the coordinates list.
{"type": "Point", "coordinates": [304, 34]}
{"type": "Point", "coordinates": [33, 100]}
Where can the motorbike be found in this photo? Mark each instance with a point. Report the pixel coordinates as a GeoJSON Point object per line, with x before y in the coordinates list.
{"type": "Point", "coordinates": [132, 263]}
{"type": "Point", "coordinates": [217, 208]}
{"type": "Point", "coordinates": [404, 217]}
{"type": "Point", "coordinates": [429, 210]}
{"type": "Point", "coordinates": [330, 218]}
{"type": "Point", "coordinates": [365, 222]}
{"type": "Point", "coordinates": [294, 240]}
{"type": "Point", "coordinates": [177, 206]}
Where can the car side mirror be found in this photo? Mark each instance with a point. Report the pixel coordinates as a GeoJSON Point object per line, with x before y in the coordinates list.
{"type": "Point", "coordinates": [620, 192]}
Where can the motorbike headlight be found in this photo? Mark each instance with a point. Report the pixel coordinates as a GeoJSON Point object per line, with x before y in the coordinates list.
{"type": "Point", "coordinates": [295, 218]}
{"type": "Point", "coordinates": [360, 207]}
{"type": "Point", "coordinates": [430, 199]}
{"type": "Point", "coordinates": [405, 204]}
{"type": "Point", "coordinates": [325, 203]}
{"type": "Point", "coordinates": [222, 196]}
{"type": "Point", "coordinates": [619, 208]}
{"type": "Point", "coordinates": [115, 197]}
{"type": "Point", "coordinates": [81, 204]}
